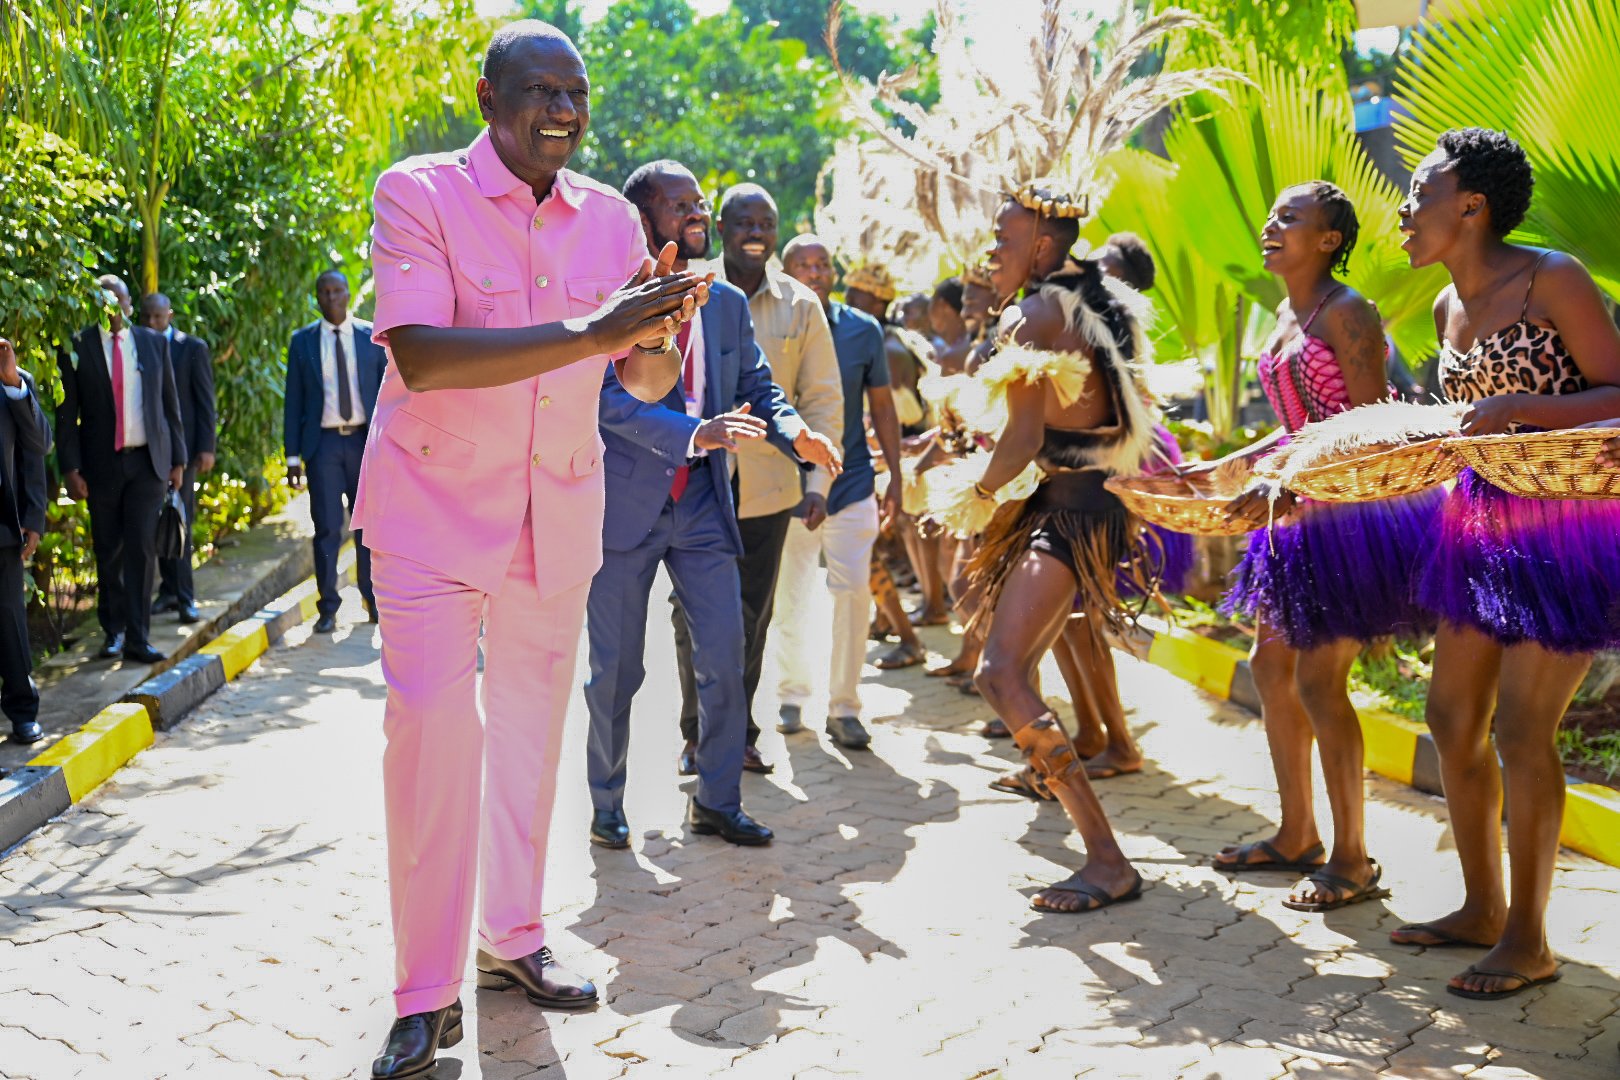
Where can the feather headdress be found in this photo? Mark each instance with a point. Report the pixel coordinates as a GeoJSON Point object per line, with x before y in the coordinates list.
{"type": "Point", "coordinates": [1038, 118]}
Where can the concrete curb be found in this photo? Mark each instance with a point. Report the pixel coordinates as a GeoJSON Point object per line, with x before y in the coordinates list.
{"type": "Point", "coordinates": [1396, 747]}
{"type": "Point", "coordinates": [79, 763]}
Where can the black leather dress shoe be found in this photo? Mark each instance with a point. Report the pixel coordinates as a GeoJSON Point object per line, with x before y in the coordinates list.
{"type": "Point", "coordinates": [542, 979]}
{"type": "Point", "coordinates": [326, 624]}
{"type": "Point", "coordinates": [609, 829]}
{"type": "Point", "coordinates": [753, 762]}
{"type": "Point", "coordinates": [187, 613]}
{"type": "Point", "coordinates": [732, 826]}
{"type": "Point", "coordinates": [26, 732]}
{"type": "Point", "coordinates": [164, 604]}
{"type": "Point", "coordinates": [848, 732]}
{"type": "Point", "coordinates": [113, 647]}
{"type": "Point", "coordinates": [414, 1042]}
{"type": "Point", "coordinates": [686, 764]}
{"type": "Point", "coordinates": [142, 653]}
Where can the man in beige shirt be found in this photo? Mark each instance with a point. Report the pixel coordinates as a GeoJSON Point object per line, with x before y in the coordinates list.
{"type": "Point", "coordinates": [791, 328]}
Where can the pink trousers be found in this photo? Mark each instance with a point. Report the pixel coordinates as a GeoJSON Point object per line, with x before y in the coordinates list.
{"type": "Point", "coordinates": [460, 787]}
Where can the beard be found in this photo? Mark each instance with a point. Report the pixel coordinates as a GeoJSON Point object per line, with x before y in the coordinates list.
{"type": "Point", "coordinates": [684, 247]}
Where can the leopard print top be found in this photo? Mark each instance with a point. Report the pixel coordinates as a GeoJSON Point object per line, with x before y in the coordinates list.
{"type": "Point", "coordinates": [1520, 359]}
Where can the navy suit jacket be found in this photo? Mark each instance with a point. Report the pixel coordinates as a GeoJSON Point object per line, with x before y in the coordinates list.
{"type": "Point", "coordinates": [194, 382]}
{"type": "Point", "coordinates": [646, 441]}
{"type": "Point", "coordinates": [305, 393]}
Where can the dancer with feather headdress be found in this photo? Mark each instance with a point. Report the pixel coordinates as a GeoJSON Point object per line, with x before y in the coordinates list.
{"type": "Point", "coordinates": [1064, 392]}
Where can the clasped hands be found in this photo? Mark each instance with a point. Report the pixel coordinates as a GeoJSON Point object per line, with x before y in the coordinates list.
{"type": "Point", "coordinates": [649, 309]}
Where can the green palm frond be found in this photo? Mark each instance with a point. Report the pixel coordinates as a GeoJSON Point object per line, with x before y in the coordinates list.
{"type": "Point", "coordinates": [1548, 73]}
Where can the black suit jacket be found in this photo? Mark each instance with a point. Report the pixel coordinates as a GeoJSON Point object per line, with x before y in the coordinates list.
{"type": "Point", "coordinates": [85, 419]}
{"type": "Point", "coordinates": [306, 394]}
{"type": "Point", "coordinates": [25, 439]}
{"type": "Point", "coordinates": [194, 382]}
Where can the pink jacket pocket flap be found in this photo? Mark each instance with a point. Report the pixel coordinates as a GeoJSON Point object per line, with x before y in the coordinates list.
{"type": "Point", "coordinates": [587, 459]}
{"type": "Point", "coordinates": [430, 445]}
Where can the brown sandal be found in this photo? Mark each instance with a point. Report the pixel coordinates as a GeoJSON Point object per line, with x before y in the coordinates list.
{"type": "Point", "coordinates": [1023, 783]}
{"type": "Point", "coordinates": [903, 655]}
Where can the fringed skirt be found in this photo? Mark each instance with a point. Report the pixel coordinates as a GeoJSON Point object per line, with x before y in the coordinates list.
{"type": "Point", "coordinates": [1517, 569]}
{"type": "Point", "coordinates": [1339, 570]}
{"type": "Point", "coordinates": [1075, 520]}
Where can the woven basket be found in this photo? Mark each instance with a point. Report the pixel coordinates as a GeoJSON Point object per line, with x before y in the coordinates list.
{"type": "Point", "coordinates": [1170, 502]}
{"type": "Point", "coordinates": [1377, 472]}
{"type": "Point", "coordinates": [1543, 464]}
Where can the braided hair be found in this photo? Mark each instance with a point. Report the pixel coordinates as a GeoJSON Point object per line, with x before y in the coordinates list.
{"type": "Point", "coordinates": [1338, 214]}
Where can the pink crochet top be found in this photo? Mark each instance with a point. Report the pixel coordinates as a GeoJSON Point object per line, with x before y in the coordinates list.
{"type": "Point", "coordinates": [1302, 380]}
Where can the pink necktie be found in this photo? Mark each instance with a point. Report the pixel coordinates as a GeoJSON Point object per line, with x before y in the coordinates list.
{"type": "Point", "coordinates": [118, 391]}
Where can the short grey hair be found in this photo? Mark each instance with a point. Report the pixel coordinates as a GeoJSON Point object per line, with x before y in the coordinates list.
{"type": "Point", "coordinates": [746, 191]}
{"type": "Point", "coordinates": [514, 34]}
{"type": "Point", "coordinates": [803, 240]}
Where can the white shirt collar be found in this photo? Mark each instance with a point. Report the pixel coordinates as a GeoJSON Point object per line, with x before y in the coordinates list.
{"type": "Point", "coordinates": [347, 326]}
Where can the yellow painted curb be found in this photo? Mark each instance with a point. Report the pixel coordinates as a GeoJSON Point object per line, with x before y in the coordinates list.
{"type": "Point", "coordinates": [309, 606]}
{"type": "Point", "coordinates": [1202, 662]}
{"type": "Point", "coordinates": [239, 646]}
{"type": "Point", "coordinates": [1592, 821]}
{"type": "Point", "coordinates": [1389, 743]}
{"type": "Point", "coordinates": [94, 752]}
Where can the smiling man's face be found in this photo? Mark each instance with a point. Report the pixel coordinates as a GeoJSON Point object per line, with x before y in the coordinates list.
{"type": "Point", "coordinates": [748, 232]}
{"type": "Point", "coordinates": [537, 108]}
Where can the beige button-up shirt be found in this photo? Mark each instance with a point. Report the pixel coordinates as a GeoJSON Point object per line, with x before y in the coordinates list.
{"type": "Point", "coordinates": [792, 331]}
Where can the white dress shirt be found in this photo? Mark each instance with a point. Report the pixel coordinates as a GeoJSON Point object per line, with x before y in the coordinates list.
{"type": "Point", "coordinates": [134, 415]}
{"type": "Point", "coordinates": [694, 401]}
{"type": "Point", "coordinates": [330, 416]}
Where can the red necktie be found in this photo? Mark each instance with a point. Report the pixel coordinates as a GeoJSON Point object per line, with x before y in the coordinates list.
{"type": "Point", "coordinates": [677, 487]}
{"type": "Point", "coordinates": [118, 390]}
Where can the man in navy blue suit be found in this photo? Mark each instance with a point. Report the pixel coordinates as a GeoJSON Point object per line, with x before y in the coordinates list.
{"type": "Point", "coordinates": [333, 371]}
{"type": "Point", "coordinates": [669, 502]}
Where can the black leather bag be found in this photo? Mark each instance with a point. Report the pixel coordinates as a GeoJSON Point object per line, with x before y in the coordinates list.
{"type": "Point", "coordinates": [171, 527]}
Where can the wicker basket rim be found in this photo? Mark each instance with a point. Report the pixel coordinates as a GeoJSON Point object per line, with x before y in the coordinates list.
{"type": "Point", "coordinates": [1572, 435]}
{"type": "Point", "coordinates": [1367, 455]}
{"type": "Point", "coordinates": [1149, 487]}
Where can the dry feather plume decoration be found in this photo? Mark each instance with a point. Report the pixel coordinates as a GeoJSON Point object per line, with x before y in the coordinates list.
{"type": "Point", "coordinates": [864, 218]}
{"type": "Point", "coordinates": [1383, 425]}
{"type": "Point", "coordinates": [1010, 119]}
{"type": "Point", "coordinates": [953, 502]}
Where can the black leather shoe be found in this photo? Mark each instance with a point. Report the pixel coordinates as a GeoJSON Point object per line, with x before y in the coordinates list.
{"type": "Point", "coordinates": [609, 829]}
{"type": "Point", "coordinates": [113, 647]}
{"type": "Point", "coordinates": [732, 826]}
{"type": "Point", "coordinates": [165, 604]}
{"type": "Point", "coordinates": [414, 1041]}
{"type": "Point", "coordinates": [187, 613]}
{"type": "Point", "coordinates": [142, 653]}
{"type": "Point", "coordinates": [686, 764]}
{"type": "Point", "coordinates": [326, 624]}
{"type": "Point", "coordinates": [541, 978]}
{"type": "Point", "coordinates": [753, 762]}
{"type": "Point", "coordinates": [26, 732]}
{"type": "Point", "coordinates": [847, 732]}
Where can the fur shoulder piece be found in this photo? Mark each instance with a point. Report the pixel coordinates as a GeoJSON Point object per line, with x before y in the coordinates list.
{"type": "Point", "coordinates": [981, 401]}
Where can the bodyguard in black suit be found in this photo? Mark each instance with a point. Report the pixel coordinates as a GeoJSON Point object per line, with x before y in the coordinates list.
{"type": "Point", "coordinates": [120, 445]}
{"type": "Point", "coordinates": [25, 439]}
{"type": "Point", "coordinates": [333, 371]}
{"type": "Point", "coordinates": [194, 382]}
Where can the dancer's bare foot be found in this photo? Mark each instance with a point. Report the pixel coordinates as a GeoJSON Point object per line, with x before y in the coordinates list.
{"type": "Point", "coordinates": [1089, 888]}
{"type": "Point", "coordinates": [1460, 928]}
{"type": "Point", "coordinates": [1113, 761]}
{"type": "Point", "coordinates": [930, 617]}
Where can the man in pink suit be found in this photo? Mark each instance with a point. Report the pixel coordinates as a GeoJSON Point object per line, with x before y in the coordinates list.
{"type": "Point", "coordinates": [501, 297]}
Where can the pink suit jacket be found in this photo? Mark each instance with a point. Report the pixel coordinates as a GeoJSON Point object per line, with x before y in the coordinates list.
{"type": "Point", "coordinates": [449, 474]}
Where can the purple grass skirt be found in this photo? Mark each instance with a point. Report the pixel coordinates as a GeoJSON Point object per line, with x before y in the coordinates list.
{"type": "Point", "coordinates": [1517, 569]}
{"type": "Point", "coordinates": [1169, 554]}
{"type": "Point", "coordinates": [1339, 570]}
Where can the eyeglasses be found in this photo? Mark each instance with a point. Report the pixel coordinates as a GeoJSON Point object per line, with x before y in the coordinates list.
{"type": "Point", "coordinates": [687, 207]}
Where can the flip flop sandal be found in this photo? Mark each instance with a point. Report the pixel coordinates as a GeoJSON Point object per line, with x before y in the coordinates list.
{"type": "Point", "coordinates": [1442, 940]}
{"type": "Point", "coordinates": [1073, 884]}
{"type": "Point", "coordinates": [1108, 772]}
{"type": "Point", "coordinates": [995, 728]}
{"type": "Point", "coordinates": [1348, 891]}
{"type": "Point", "coordinates": [1310, 859]}
{"type": "Point", "coordinates": [949, 671]}
{"type": "Point", "coordinates": [969, 689]}
{"type": "Point", "coordinates": [1023, 783]}
{"type": "Point", "coordinates": [901, 656]}
{"type": "Point", "coordinates": [1525, 983]}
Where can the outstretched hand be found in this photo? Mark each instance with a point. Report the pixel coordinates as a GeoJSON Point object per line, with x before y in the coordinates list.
{"type": "Point", "coordinates": [1256, 507]}
{"type": "Point", "coordinates": [723, 431]}
{"type": "Point", "coordinates": [817, 449]}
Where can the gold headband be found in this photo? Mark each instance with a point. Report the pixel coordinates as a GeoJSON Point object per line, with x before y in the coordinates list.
{"type": "Point", "coordinates": [1052, 206]}
{"type": "Point", "coordinates": [874, 280]}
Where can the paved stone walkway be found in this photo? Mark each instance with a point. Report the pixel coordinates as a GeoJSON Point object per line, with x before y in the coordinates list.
{"type": "Point", "coordinates": [220, 910]}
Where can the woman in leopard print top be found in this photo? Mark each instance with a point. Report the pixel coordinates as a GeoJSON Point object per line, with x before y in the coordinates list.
{"type": "Point", "coordinates": [1526, 589]}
